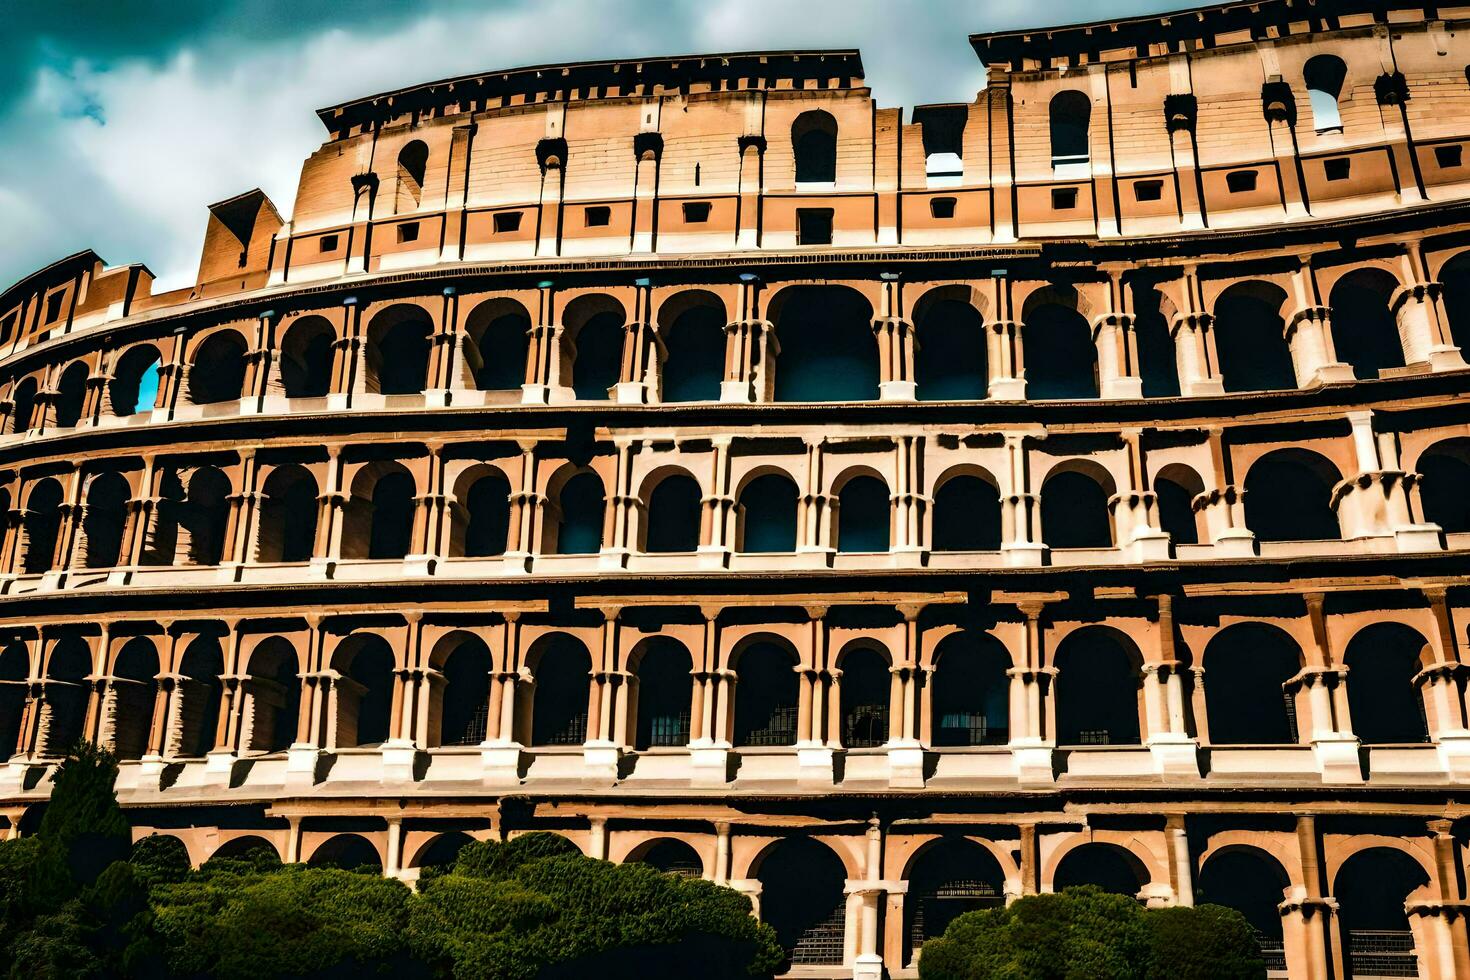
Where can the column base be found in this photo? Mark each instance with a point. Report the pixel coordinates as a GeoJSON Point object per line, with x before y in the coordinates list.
{"type": "Point", "coordinates": [868, 966]}
{"type": "Point", "coordinates": [1033, 763]}
{"type": "Point", "coordinates": [601, 760]}
{"type": "Point", "coordinates": [633, 393]}
{"type": "Point", "coordinates": [218, 766]}
{"type": "Point", "coordinates": [735, 391]}
{"type": "Point", "coordinates": [546, 395]}
{"type": "Point", "coordinates": [1202, 387]}
{"type": "Point", "coordinates": [1454, 753]}
{"type": "Point", "coordinates": [438, 397]}
{"type": "Point", "coordinates": [420, 565]}
{"type": "Point", "coordinates": [399, 757]}
{"type": "Point", "coordinates": [500, 762]}
{"type": "Point", "coordinates": [1006, 390]}
{"type": "Point", "coordinates": [1024, 555]}
{"type": "Point", "coordinates": [709, 765]}
{"type": "Point", "coordinates": [1337, 758]}
{"type": "Point", "coordinates": [814, 764]}
{"type": "Point", "coordinates": [301, 763]}
{"type": "Point", "coordinates": [613, 558]}
{"type": "Point", "coordinates": [1416, 538]}
{"type": "Point", "coordinates": [897, 391]}
{"type": "Point", "coordinates": [1235, 543]}
{"type": "Point", "coordinates": [339, 400]}
{"type": "Point", "coordinates": [1149, 544]}
{"type": "Point", "coordinates": [1329, 374]}
{"type": "Point", "coordinates": [906, 766]}
{"type": "Point", "coordinates": [1122, 388]}
{"type": "Point", "coordinates": [1446, 359]}
{"type": "Point", "coordinates": [713, 557]}
{"type": "Point", "coordinates": [1174, 755]}
{"type": "Point", "coordinates": [323, 568]}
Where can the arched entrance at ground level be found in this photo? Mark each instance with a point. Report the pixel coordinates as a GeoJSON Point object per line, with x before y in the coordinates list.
{"type": "Point", "coordinates": [1252, 883]}
{"type": "Point", "coordinates": [247, 848]}
{"type": "Point", "coordinates": [1384, 701]}
{"type": "Point", "coordinates": [1097, 688]}
{"type": "Point", "coordinates": [802, 898]}
{"type": "Point", "coordinates": [1107, 866]}
{"type": "Point", "coordinates": [673, 857]}
{"type": "Point", "coordinates": [971, 691]}
{"type": "Point", "coordinates": [349, 852]}
{"type": "Point", "coordinates": [442, 850]}
{"type": "Point", "coordinates": [1245, 667]}
{"type": "Point", "coordinates": [1371, 889]}
{"type": "Point", "coordinates": [949, 878]}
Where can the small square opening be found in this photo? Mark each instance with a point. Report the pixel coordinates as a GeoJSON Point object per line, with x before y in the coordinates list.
{"type": "Point", "coordinates": [1148, 190]}
{"type": "Point", "coordinates": [327, 243]}
{"type": "Point", "coordinates": [696, 212]}
{"type": "Point", "coordinates": [1063, 198]}
{"type": "Point", "coordinates": [1337, 168]}
{"type": "Point", "coordinates": [941, 207]}
{"type": "Point", "coordinates": [814, 226]}
{"type": "Point", "coordinates": [408, 232]}
{"type": "Point", "coordinates": [1241, 181]}
{"type": "Point", "coordinates": [598, 217]}
{"type": "Point", "coordinates": [1448, 157]}
{"type": "Point", "coordinates": [507, 221]}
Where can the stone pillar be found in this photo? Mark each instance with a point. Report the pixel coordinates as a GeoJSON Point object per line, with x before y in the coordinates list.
{"type": "Point", "coordinates": [816, 514]}
{"type": "Point", "coordinates": [813, 748]}
{"type": "Point", "coordinates": [752, 148]}
{"type": "Point", "coordinates": [638, 380]}
{"type": "Point", "coordinates": [648, 148]}
{"type": "Point", "coordinates": [500, 753]}
{"type": "Point", "coordinates": [313, 716]}
{"type": "Point", "coordinates": [546, 362]}
{"type": "Point", "coordinates": [910, 511]}
{"type": "Point", "coordinates": [551, 154]}
{"type": "Point", "coordinates": [1375, 503]}
{"type": "Point", "coordinates": [868, 963]}
{"type": "Point", "coordinates": [242, 529]}
{"type": "Point", "coordinates": [717, 522]}
{"type": "Point", "coordinates": [905, 738]}
{"type": "Point", "coordinates": [526, 508]}
{"type": "Point", "coordinates": [721, 872]}
{"type": "Point", "coordinates": [602, 750]}
{"type": "Point", "coordinates": [1175, 752]}
{"type": "Point", "coordinates": [1032, 739]}
{"type": "Point", "coordinates": [709, 750]}
{"type": "Point", "coordinates": [1325, 683]}
{"type": "Point", "coordinates": [896, 343]}
{"type": "Point", "coordinates": [220, 760]}
{"type": "Point", "coordinates": [1309, 334]}
{"type": "Point", "coordinates": [1135, 508]}
{"type": "Point", "coordinates": [444, 353]}
{"type": "Point", "coordinates": [1020, 509]}
{"type": "Point", "coordinates": [327, 550]}
{"type": "Point", "coordinates": [1309, 926]}
{"type": "Point", "coordinates": [1417, 307]}
{"type": "Point", "coordinates": [430, 517]}
{"type": "Point", "coordinates": [624, 511]}
{"type": "Point", "coordinates": [348, 367]}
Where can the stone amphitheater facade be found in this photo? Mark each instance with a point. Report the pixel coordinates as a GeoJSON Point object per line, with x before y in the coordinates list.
{"type": "Point", "coordinates": [883, 515]}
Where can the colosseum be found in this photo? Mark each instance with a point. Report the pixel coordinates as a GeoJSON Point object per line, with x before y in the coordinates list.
{"type": "Point", "coordinates": [883, 515]}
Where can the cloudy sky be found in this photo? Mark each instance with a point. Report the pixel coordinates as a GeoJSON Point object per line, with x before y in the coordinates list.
{"type": "Point", "coordinates": [121, 119]}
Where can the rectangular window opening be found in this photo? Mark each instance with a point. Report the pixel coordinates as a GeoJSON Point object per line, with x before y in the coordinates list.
{"type": "Point", "coordinates": [1148, 190]}
{"type": "Point", "coordinates": [1063, 198]}
{"type": "Point", "coordinates": [1241, 181]}
{"type": "Point", "coordinates": [507, 221]}
{"type": "Point", "coordinates": [941, 207]}
{"type": "Point", "coordinates": [814, 226]}
{"type": "Point", "coordinates": [53, 306]}
{"type": "Point", "coordinates": [1448, 157]}
{"type": "Point", "coordinates": [408, 232]}
{"type": "Point", "coordinates": [696, 212]}
{"type": "Point", "coordinates": [7, 325]}
{"type": "Point", "coordinates": [1337, 168]}
{"type": "Point", "coordinates": [598, 217]}
{"type": "Point", "coordinates": [327, 243]}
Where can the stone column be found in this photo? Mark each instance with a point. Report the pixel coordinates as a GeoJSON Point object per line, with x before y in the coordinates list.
{"type": "Point", "coordinates": [1375, 502]}
{"type": "Point", "coordinates": [911, 505]}
{"type": "Point", "coordinates": [545, 384]}
{"type": "Point", "coordinates": [1309, 926]}
{"type": "Point", "coordinates": [816, 516]}
{"type": "Point", "coordinates": [896, 342]}
{"type": "Point", "coordinates": [1135, 508]}
{"type": "Point", "coordinates": [1309, 334]}
{"type": "Point", "coordinates": [638, 381]}
{"type": "Point", "coordinates": [313, 716]}
{"type": "Point", "coordinates": [814, 750]}
{"type": "Point", "coordinates": [526, 507]}
{"type": "Point", "coordinates": [327, 550]}
{"type": "Point", "coordinates": [603, 750]}
{"type": "Point", "coordinates": [1020, 509]}
{"type": "Point", "coordinates": [717, 521]}
{"type": "Point", "coordinates": [444, 351]}
{"type": "Point", "coordinates": [1032, 740]}
{"type": "Point", "coordinates": [1325, 683]}
{"type": "Point", "coordinates": [500, 753]}
{"type": "Point", "coordinates": [868, 963]}
{"type": "Point", "coordinates": [624, 511]}
{"type": "Point", "coordinates": [709, 750]}
{"type": "Point", "coordinates": [431, 510]}
{"type": "Point", "coordinates": [752, 148]}
{"type": "Point", "coordinates": [905, 738]}
{"type": "Point", "coordinates": [348, 368]}
{"type": "Point", "coordinates": [1175, 752]}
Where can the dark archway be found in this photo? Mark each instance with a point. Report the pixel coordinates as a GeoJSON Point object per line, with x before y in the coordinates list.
{"type": "Point", "coordinates": [673, 857]}
{"type": "Point", "coordinates": [1444, 476]}
{"type": "Point", "coordinates": [1288, 497]}
{"type": "Point", "coordinates": [443, 850]}
{"type": "Point", "coordinates": [413, 161]}
{"type": "Point", "coordinates": [15, 672]}
{"type": "Point", "coordinates": [598, 364]}
{"type": "Point", "coordinates": [42, 524]}
{"type": "Point", "coordinates": [1061, 359]}
{"type": "Point", "coordinates": [1253, 884]}
{"type": "Point", "coordinates": [398, 347]}
{"type": "Point", "coordinates": [579, 531]}
{"type": "Point", "coordinates": [71, 395]}
{"type": "Point", "coordinates": [1074, 512]}
{"type": "Point", "coordinates": [487, 516]}
{"type": "Point", "coordinates": [218, 372]}
{"type": "Point", "coordinates": [201, 691]}
{"type": "Point", "coordinates": [206, 515]}
{"type": "Point", "coordinates": [1246, 666]}
{"type": "Point", "coordinates": [971, 694]}
{"type": "Point", "coordinates": [1158, 363]}
{"type": "Point", "coordinates": [66, 690]}
{"type": "Point", "coordinates": [827, 349]}
{"type": "Point", "coordinates": [251, 848]}
{"type": "Point", "coordinates": [559, 704]}
{"type": "Point", "coordinates": [1108, 867]}
{"type": "Point", "coordinates": [1371, 889]}
{"type": "Point", "coordinates": [500, 341]}
{"type": "Point", "coordinates": [966, 515]}
{"type": "Point", "coordinates": [863, 515]}
{"type": "Point", "coordinates": [1384, 701]}
{"type": "Point", "coordinates": [814, 146]}
{"type": "Point", "coordinates": [1365, 332]}
{"type": "Point", "coordinates": [288, 516]}
{"type": "Point", "coordinates": [768, 515]}
{"type": "Point", "coordinates": [694, 360]}
{"type": "Point", "coordinates": [950, 362]}
{"type": "Point", "coordinates": [949, 878]}
{"type": "Point", "coordinates": [1097, 688]}
{"type": "Point", "coordinates": [380, 520]}
{"type": "Point", "coordinates": [105, 519]}
{"type": "Point", "coordinates": [134, 385]}
{"type": "Point", "coordinates": [1455, 275]}
{"type": "Point", "coordinates": [766, 693]}
{"type": "Point", "coordinates": [1176, 490]}
{"type": "Point", "coordinates": [464, 701]}
{"type": "Point", "coordinates": [307, 357]}
{"type": "Point", "coordinates": [864, 696]}
{"type": "Point", "coordinates": [134, 690]}
{"type": "Point", "coordinates": [349, 852]}
{"type": "Point", "coordinates": [1250, 338]}
{"type": "Point", "coordinates": [273, 689]}
{"type": "Point", "coordinates": [1071, 114]}
{"type": "Point", "coordinates": [674, 515]}
{"type": "Point", "coordinates": [665, 687]}
{"type": "Point", "coordinates": [365, 703]}
{"type": "Point", "coordinates": [802, 898]}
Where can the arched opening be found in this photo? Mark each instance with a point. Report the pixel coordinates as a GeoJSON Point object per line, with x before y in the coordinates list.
{"type": "Point", "coordinates": [1444, 475]}
{"type": "Point", "coordinates": [246, 848]}
{"type": "Point", "coordinates": [105, 518]}
{"type": "Point", "coordinates": [559, 705]}
{"type": "Point", "coordinates": [134, 384]}
{"type": "Point", "coordinates": [863, 515]}
{"type": "Point", "coordinates": [71, 395]}
{"type": "Point", "coordinates": [950, 361]}
{"type": "Point", "coordinates": [201, 691]}
{"type": "Point", "coordinates": [1061, 359]}
{"type": "Point", "coordinates": [765, 701]}
{"type": "Point", "coordinates": [306, 358]}
{"type": "Point", "coordinates": [218, 372]}
{"type": "Point", "coordinates": [272, 697]}
{"type": "Point", "coordinates": [802, 898]}
{"type": "Point", "coordinates": [379, 518]}
{"type": "Point", "coordinates": [864, 689]}
{"type": "Point", "coordinates": [1371, 890]}
{"type": "Point", "coordinates": [1324, 76]}
{"type": "Point", "coordinates": [487, 511]}
{"type": "Point", "coordinates": [349, 852]}
{"type": "Point", "coordinates": [363, 690]}
{"type": "Point", "coordinates": [1071, 114]}
{"type": "Point", "coordinates": [827, 349]}
{"type": "Point", "coordinates": [15, 672]}
{"type": "Point", "coordinates": [1246, 666]}
{"type": "Point", "coordinates": [1455, 275]}
{"type": "Point", "coordinates": [288, 515]}
{"type": "Point", "coordinates": [1254, 885]}
{"type": "Point", "coordinates": [42, 523]}
{"type": "Point", "coordinates": [413, 160]}
{"type": "Point", "coordinates": [966, 515]}
{"type": "Point", "coordinates": [1108, 867]}
{"type": "Point", "coordinates": [581, 503]}
{"type": "Point", "coordinates": [673, 857]}
{"type": "Point", "coordinates": [1074, 512]}
{"type": "Point", "coordinates": [949, 878]}
{"type": "Point", "coordinates": [1365, 332]}
{"type": "Point", "coordinates": [443, 850]}
{"type": "Point", "coordinates": [66, 687]}
{"type": "Point", "coordinates": [1384, 700]}
{"type": "Point", "coordinates": [206, 514]}
{"type": "Point", "coordinates": [971, 691]}
{"type": "Point", "coordinates": [814, 144]}
{"type": "Point", "coordinates": [134, 685]}
{"type": "Point", "coordinates": [1175, 490]}
{"type": "Point", "coordinates": [500, 339]}
{"type": "Point", "coordinates": [1097, 689]}
{"type": "Point", "coordinates": [398, 351]}
{"type": "Point", "coordinates": [674, 514]}
{"type": "Point", "coordinates": [23, 415]}
{"type": "Point", "coordinates": [464, 700]}
{"type": "Point", "coordinates": [767, 515]}
{"type": "Point", "coordinates": [597, 364]}
{"type": "Point", "coordinates": [664, 691]}
{"type": "Point", "coordinates": [1158, 363]}
{"type": "Point", "coordinates": [694, 359]}
{"type": "Point", "coordinates": [1250, 338]}
{"type": "Point", "coordinates": [1288, 497]}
